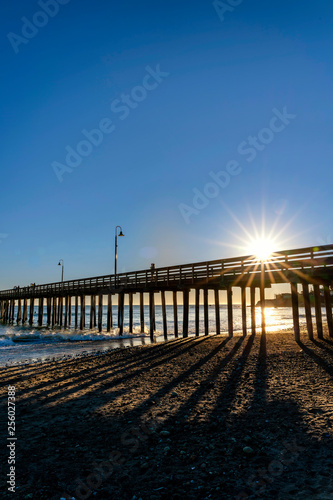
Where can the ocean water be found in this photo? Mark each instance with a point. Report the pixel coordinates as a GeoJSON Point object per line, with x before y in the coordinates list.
{"type": "Point", "coordinates": [25, 344]}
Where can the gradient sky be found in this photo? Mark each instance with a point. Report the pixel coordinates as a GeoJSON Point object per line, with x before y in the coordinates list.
{"type": "Point", "coordinates": [225, 78]}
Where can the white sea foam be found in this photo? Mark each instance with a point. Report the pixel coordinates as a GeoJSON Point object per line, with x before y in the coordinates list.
{"type": "Point", "coordinates": [21, 344]}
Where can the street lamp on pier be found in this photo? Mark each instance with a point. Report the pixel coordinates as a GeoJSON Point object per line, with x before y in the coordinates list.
{"type": "Point", "coordinates": [115, 251]}
{"type": "Point", "coordinates": [61, 263]}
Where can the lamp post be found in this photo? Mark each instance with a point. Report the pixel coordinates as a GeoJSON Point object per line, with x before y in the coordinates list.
{"type": "Point", "coordinates": [115, 251]}
{"type": "Point", "coordinates": [61, 263]}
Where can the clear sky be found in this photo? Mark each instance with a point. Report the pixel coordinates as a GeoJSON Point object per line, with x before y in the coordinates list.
{"type": "Point", "coordinates": [209, 122]}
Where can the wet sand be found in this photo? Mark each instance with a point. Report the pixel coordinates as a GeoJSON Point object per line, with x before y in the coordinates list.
{"type": "Point", "coordinates": [205, 418]}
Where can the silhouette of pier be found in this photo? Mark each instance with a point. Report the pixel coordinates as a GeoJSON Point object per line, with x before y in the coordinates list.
{"type": "Point", "coordinates": [298, 267]}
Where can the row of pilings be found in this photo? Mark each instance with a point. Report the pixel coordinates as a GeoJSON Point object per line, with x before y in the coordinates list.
{"type": "Point", "coordinates": [59, 310]}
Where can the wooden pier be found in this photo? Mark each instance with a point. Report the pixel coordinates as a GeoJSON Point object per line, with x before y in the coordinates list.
{"type": "Point", "coordinates": [299, 268]}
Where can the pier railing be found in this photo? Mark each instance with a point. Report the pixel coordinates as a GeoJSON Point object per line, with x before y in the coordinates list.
{"type": "Point", "coordinates": [312, 265]}
{"type": "Point", "coordinates": [296, 264]}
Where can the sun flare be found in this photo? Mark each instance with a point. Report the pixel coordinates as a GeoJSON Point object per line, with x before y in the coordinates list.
{"type": "Point", "coordinates": [262, 248]}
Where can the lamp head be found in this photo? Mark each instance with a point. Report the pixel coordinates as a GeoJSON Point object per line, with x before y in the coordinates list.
{"type": "Point", "coordinates": [59, 264]}
{"type": "Point", "coordinates": [121, 234]}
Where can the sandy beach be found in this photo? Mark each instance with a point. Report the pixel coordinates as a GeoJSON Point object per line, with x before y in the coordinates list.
{"type": "Point", "coordinates": [205, 418]}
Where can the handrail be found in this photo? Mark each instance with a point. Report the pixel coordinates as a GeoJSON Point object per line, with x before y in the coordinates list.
{"type": "Point", "coordinates": [295, 259]}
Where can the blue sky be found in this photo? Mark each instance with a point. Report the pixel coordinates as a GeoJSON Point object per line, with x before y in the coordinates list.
{"type": "Point", "coordinates": [224, 80]}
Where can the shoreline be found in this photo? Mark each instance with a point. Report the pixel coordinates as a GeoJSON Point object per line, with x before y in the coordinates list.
{"type": "Point", "coordinates": [81, 348]}
{"type": "Point", "coordinates": [206, 417]}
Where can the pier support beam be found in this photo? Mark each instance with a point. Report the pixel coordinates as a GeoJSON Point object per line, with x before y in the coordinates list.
{"type": "Point", "coordinates": [76, 313]}
{"type": "Point", "coordinates": [319, 320]}
{"type": "Point", "coordinates": [142, 313]}
{"type": "Point", "coordinates": [82, 312]}
{"type": "Point", "coordinates": [253, 309]}
{"type": "Point", "coordinates": [6, 314]}
{"type": "Point", "coordinates": [294, 303]}
{"type": "Point", "coordinates": [197, 312]}
{"type": "Point", "coordinates": [91, 319]}
{"type": "Point", "coordinates": [19, 311]}
{"type": "Point", "coordinates": [307, 307]}
{"type": "Point", "coordinates": [151, 315]}
{"type": "Point", "coordinates": [109, 314]}
{"type": "Point", "coordinates": [130, 312]}
{"type": "Point", "coordinates": [40, 311]}
{"type": "Point", "coordinates": [54, 311]}
{"type": "Point", "coordinates": [48, 311]}
{"type": "Point", "coordinates": [25, 311]}
{"type": "Point", "coordinates": [11, 311]}
{"type": "Point", "coordinates": [100, 312]}
{"type": "Point", "coordinates": [31, 311]}
{"type": "Point", "coordinates": [164, 316]}
{"type": "Point", "coordinates": [230, 316]}
{"type": "Point", "coordinates": [94, 311]}
{"type": "Point", "coordinates": [175, 314]}
{"type": "Point", "coordinates": [262, 298]}
{"type": "Point", "coordinates": [243, 294]}
{"type": "Point", "coordinates": [66, 312]}
{"type": "Point", "coordinates": [69, 310]}
{"type": "Point", "coordinates": [186, 293]}
{"type": "Point", "coordinates": [121, 301]}
{"type": "Point", "coordinates": [206, 311]}
{"type": "Point", "coordinates": [328, 307]}
{"type": "Point", "coordinates": [57, 321]}
{"type": "Point", "coordinates": [61, 309]}
{"type": "Point", "coordinates": [217, 311]}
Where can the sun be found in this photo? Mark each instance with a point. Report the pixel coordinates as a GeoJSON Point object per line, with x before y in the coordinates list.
{"type": "Point", "coordinates": [262, 248]}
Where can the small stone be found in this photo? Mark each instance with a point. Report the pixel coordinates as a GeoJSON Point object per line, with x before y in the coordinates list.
{"type": "Point", "coordinates": [145, 465]}
{"type": "Point", "coordinates": [203, 466]}
{"type": "Point", "coordinates": [174, 395]}
{"type": "Point", "coordinates": [166, 449]}
{"type": "Point", "coordinates": [164, 433]}
{"type": "Point", "coordinates": [248, 450]}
